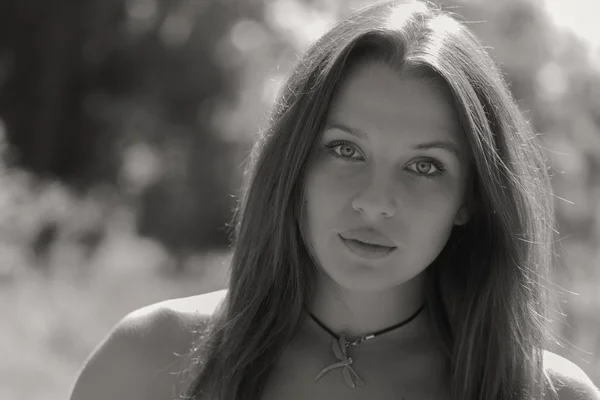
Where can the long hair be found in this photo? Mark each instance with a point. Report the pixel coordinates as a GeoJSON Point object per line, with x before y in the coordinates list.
{"type": "Point", "coordinates": [486, 290]}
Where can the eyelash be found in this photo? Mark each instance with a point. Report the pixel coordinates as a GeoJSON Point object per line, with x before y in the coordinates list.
{"type": "Point", "coordinates": [333, 145]}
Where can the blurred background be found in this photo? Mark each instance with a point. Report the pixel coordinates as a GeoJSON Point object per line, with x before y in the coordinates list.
{"type": "Point", "coordinates": [124, 125]}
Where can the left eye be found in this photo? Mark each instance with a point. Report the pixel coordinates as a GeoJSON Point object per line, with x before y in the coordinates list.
{"type": "Point", "coordinates": [425, 167]}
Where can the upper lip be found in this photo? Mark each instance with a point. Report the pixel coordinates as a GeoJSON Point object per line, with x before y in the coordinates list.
{"type": "Point", "coordinates": [368, 235]}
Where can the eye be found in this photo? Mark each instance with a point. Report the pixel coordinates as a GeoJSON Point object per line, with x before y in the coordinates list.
{"type": "Point", "coordinates": [346, 151]}
{"type": "Point", "coordinates": [427, 168]}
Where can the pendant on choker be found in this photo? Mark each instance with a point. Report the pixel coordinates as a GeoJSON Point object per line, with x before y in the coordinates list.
{"type": "Point", "coordinates": [340, 350]}
{"type": "Point", "coordinates": [339, 347]}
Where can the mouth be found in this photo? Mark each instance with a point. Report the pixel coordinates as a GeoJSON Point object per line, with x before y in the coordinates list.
{"type": "Point", "coordinates": [367, 250]}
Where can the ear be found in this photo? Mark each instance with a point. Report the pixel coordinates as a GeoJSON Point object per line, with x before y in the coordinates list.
{"type": "Point", "coordinates": [462, 215]}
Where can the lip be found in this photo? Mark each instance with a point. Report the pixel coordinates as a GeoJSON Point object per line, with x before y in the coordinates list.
{"type": "Point", "coordinates": [367, 251]}
{"type": "Point", "coordinates": [368, 236]}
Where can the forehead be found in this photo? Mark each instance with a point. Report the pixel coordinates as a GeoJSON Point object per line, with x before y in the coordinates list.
{"type": "Point", "coordinates": [377, 98]}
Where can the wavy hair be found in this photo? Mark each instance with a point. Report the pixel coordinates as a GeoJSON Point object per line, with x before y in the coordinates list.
{"type": "Point", "coordinates": [486, 290]}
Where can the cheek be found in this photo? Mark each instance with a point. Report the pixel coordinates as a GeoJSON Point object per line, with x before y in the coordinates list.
{"type": "Point", "coordinates": [431, 217]}
{"type": "Point", "coordinates": [327, 202]}
{"type": "Point", "coordinates": [330, 188]}
{"type": "Point", "coordinates": [434, 199]}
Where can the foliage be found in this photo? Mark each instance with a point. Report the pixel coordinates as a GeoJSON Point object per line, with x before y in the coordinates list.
{"type": "Point", "coordinates": [86, 84]}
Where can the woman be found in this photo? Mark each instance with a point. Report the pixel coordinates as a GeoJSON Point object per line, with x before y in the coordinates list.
{"type": "Point", "coordinates": [392, 240]}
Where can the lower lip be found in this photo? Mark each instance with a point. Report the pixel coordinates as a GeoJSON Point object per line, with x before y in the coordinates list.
{"type": "Point", "coordinates": [366, 250]}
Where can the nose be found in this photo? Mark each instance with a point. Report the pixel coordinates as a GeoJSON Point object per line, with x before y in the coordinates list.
{"type": "Point", "coordinates": [375, 201]}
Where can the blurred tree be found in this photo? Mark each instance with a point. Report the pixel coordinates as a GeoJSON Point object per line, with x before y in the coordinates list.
{"type": "Point", "coordinates": [83, 82]}
{"type": "Point", "coordinates": [46, 81]}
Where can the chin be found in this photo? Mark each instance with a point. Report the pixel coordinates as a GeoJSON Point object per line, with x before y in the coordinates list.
{"type": "Point", "coordinates": [368, 285]}
{"type": "Point", "coordinates": [363, 277]}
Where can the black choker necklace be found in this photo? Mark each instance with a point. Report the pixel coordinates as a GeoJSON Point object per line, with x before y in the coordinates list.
{"type": "Point", "coordinates": [340, 345]}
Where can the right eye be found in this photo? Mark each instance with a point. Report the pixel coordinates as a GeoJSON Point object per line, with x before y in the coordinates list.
{"type": "Point", "coordinates": [345, 151]}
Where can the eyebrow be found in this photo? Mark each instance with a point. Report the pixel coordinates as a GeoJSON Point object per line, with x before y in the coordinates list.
{"type": "Point", "coordinates": [435, 144]}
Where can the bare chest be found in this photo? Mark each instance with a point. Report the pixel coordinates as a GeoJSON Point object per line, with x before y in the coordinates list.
{"type": "Point", "coordinates": [384, 375]}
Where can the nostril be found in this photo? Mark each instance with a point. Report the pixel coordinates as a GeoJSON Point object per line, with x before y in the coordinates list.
{"type": "Point", "coordinates": [374, 206]}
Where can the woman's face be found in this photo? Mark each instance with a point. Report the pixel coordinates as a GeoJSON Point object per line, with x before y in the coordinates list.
{"type": "Point", "coordinates": [391, 170]}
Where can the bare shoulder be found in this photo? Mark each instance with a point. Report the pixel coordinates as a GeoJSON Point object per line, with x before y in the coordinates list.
{"type": "Point", "coordinates": [143, 354]}
{"type": "Point", "coordinates": [569, 380]}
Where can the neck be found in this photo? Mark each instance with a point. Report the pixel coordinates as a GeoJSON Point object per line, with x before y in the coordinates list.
{"type": "Point", "coordinates": [359, 313]}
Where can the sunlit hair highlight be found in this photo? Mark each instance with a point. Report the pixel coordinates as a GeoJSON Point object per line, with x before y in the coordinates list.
{"type": "Point", "coordinates": [487, 289]}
